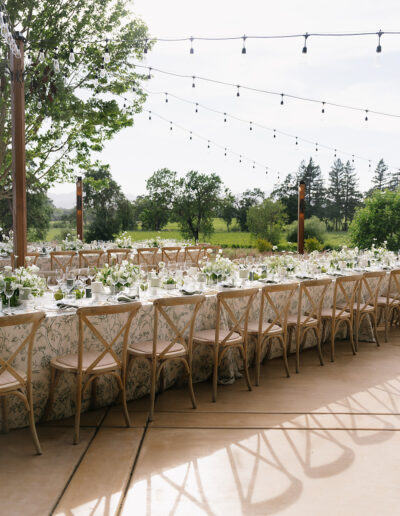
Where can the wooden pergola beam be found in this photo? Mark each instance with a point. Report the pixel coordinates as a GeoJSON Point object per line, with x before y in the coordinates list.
{"type": "Point", "coordinates": [300, 218]}
{"type": "Point", "coordinates": [18, 154]}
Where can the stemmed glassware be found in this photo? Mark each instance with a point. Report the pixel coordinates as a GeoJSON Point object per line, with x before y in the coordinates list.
{"type": "Point", "coordinates": [8, 289]}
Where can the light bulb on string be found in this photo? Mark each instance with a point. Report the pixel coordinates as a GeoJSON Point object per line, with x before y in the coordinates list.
{"type": "Point", "coordinates": [41, 55]}
{"type": "Point", "coordinates": [208, 144]}
{"type": "Point", "coordinates": [254, 164]}
{"type": "Point", "coordinates": [323, 108]}
{"type": "Point", "coordinates": [225, 152]}
{"type": "Point", "coordinates": [282, 95]}
{"type": "Point", "coordinates": [149, 74]}
{"type": "Point", "coordinates": [335, 154]}
{"type": "Point", "coordinates": [197, 108]}
{"type": "Point", "coordinates": [274, 133]}
{"type": "Point", "coordinates": [190, 137]}
{"type": "Point", "coordinates": [149, 115]}
{"type": "Point", "coordinates": [238, 92]}
{"type": "Point", "coordinates": [366, 115]}
{"type": "Point", "coordinates": [145, 46]}
{"type": "Point", "coordinates": [71, 57]}
{"type": "Point", "coordinates": [352, 159]}
{"type": "Point", "coordinates": [369, 163]}
{"type": "Point", "coordinates": [297, 143]}
{"type": "Point", "coordinates": [39, 104]}
{"type": "Point", "coordinates": [244, 45]}
{"type": "Point", "coordinates": [193, 83]}
{"type": "Point", "coordinates": [166, 97]}
{"type": "Point", "coordinates": [224, 117]}
{"type": "Point", "coordinates": [240, 159]}
{"type": "Point", "coordinates": [316, 147]}
{"type": "Point", "coordinates": [251, 126]}
{"type": "Point", "coordinates": [379, 47]}
{"type": "Point", "coordinates": [56, 63]}
{"type": "Point", "coordinates": [191, 45]}
{"type": "Point", "coordinates": [304, 51]}
{"type": "Point", "coordinates": [170, 127]}
{"type": "Point", "coordinates": [102, 72]}
{"type": "Point", "coordinates": [106, 56]}
{"type": "Point", "coordinates": [266, 171]}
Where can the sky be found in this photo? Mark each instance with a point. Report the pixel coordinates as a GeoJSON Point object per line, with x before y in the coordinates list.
{"type": "Point", "coordinates": [340, 70]}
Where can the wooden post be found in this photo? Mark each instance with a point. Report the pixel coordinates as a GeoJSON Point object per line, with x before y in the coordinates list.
{"type": "Point", "coordinates": [18, 153]}
{"type": "Point", "coordinates": [300, 227]}
{"type": "Point", "coordinates": [79, 209]}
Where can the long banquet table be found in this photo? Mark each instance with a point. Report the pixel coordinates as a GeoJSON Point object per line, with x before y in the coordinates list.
{"type": "Point", "coordinates": [58, 335]}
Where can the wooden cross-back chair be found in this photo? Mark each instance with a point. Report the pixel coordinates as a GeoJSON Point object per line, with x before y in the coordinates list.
{"type": "Point", "coordinates": [159, 352]}
{"type": "Point", "coordinates": [236, 336]}
{"type": "Point", "coordinates": [390, 303]}
{"type": "Point", "coordinates": [214, 248]}
{"type": "Point", "coordinates": [193, 255]}
{"type": "Point", "coordinates": [345, 287]}
{"type": "Point", "coordinates": [308, 318]}
{"type": "Point", "coordinates": [61, 259]}
{"type": "Point", "coordinates": [276, 327]}
{"type": "Point", "coordinates": [366, 305]}
{"type": "Point", "coordinates": [170, 254]}
{"type": "Point", "coordinates": [16, 382]}
{"type": "Point", "coordinates": [31, 259]}
{"type": "Point", "coordinates": [88, 365]}
{"type": "Point", "coordinates": [147, 257]}
{"type": "Point", "coordinates": [118, 255]}
{"type": "Point", "coordinates": [90, 258]}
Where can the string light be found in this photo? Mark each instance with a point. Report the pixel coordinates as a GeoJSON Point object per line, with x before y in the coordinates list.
{"type": "Point", "coordinates": [71, 57]}
{"type": "Point", "coordinates": [304, 51]}
{"type": "Point", "coordinates": [191, 137]}
{"type": "Point", "coordinates": [106, 56]}
{"type": "Point", "coordinates": [225, 152]}
{"type": "Point", "coordinates": [191, 45]}
{"type": "Point", "coordinates": [208, 144]}
{"type": "Point", "coordinates": [335, 154]}
{"type": "Point", "coordinates": [224, 117]}
{"type": "Point", "coordinates": [240, 159]}
{"type": "Point", "coordinates": [193, 83]}
{"type": "Point", "coordinates": [297, 141]}
{"type": "Point", "coordinates": [254, 165]}
{"type": "Point", "coordinates": [145, 46]}
{"type": "Point", "coordinates": [149, 115]}
{"type": "Point", "coordinates": [244, 45]}
{"type": "Point", "coordinates": [166, 97]}
{"type": "Point", "coordinates": [56, 63]}
{"type": "Point", "coordinates": [379, 47]}
{"type": "Point", "coordinates": [282, 95]}
{"type": "Point", "coordinates": [366, 115]}
{"type": "Point", "coordinates": [41, 55]}
{"type": "Point", "coordinates": [102, 72]}
{"type": "Point", "coordinates": [323, 108]}
{"type": "Point", "coordinates": [274, 133]}
{"type": "Point", "coordinates": [238, 92]}
{"type": "Point", "coordinates": [170, 127]}
{"type": "Point", "coordinates": [316, 147]}
{"type": "Point", "coordinates": [149, 75]}
{"type": "Point", "coordinates": [251, 126]}
{"type": "Point", "coordinates": [197, 108]}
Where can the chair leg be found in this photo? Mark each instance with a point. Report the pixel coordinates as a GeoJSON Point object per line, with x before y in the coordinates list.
{"type": "Point", "coordinates": [78, 406]}
{"type": "Point", "coordinates": [375, 329]}
{"type": "Point", "coordinates": [153, 388]}
{"type": "Point", "coordinates": [54, 377]}
{"type": "Point", "coordinates": [285, 360]}
{"type": "Point", "coordinates": [4, 411]}
{"type": "Point", "coordinates": [298, 340]}
{"type": "Point", "coordinates": [386, 315]}
{"type": "Point", "coordinates": [357, 329]}
{"type": "Point", "coordinates": [333, 340]}
{"type": "Point", "coordinates": [32, 421]}
{"type": "Point", "coordinates": [190, 384]}
{"type": "Point", "coordinates": [246, 367]}
{"type": "Point", "coordinates": [317, 336]}
{"type": "Point", "coordinates": [350, 324]}
{"type": "Point", "coordinates": [258, 359]}
{"type": "Point", "coordinates": [215, 375]}
{"type": "Point", "coordinates": [124, 404]}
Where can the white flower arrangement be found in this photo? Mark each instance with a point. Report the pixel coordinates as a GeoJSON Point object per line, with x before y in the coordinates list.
{"type": "Point", "coordinates": [219, 268]}
{"type": "Point", "coordinates": [124, 241]}
{"type": "Point", "coordinates": [7, 242]}
{"type": "Point", "coordinates": [71, 244]}
{"type": "Point", "coordinates": [25, 277]}
{"type": "Point", "coordinates": [288, 262]}
{"type": "Point", "coordinates": [119, 275]}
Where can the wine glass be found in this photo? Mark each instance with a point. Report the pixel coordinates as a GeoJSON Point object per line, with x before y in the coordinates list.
{"type": "Point", "coordinates": [9, 289]}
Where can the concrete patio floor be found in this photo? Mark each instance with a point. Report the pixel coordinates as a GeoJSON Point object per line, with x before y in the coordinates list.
{"type": "Point", "coordinates": [325, 441]}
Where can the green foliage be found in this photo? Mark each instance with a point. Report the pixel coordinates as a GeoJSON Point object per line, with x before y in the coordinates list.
{"type": "Point", "coordinates": [287, 193]}
{"type": "Point", "coordinates": [157, 209]}
{"type": "Point", "coordinates": [227, 208]}
{"type": "Point", "coordinates": [196, 203]}
{"type": "Point", "coordinates": [263, 245]}
{"type": "Point", "coordinates": [287, 246]}
{"type": "Point", "coordinates": [248, 199]}
{"type": "Point", "coordinates": [68, 120]}
{"type": "Point", "coordinates": [378, 221]}
{"type": "Point", "coordinates": [313, 228]}
{"type": "Point", "coordinates": [266, 220]}
{"type": "Point", "coordinates": [312, 244]}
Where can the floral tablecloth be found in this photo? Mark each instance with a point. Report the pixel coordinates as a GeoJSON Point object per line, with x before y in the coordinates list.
{"type": "Point", "coordinates": [58, 335]}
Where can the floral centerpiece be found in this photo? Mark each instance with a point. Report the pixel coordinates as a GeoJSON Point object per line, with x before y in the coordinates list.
{"type": "Point", "coordinates": [119, 275]}
{"type": "Point", "coordinates": [23, 277]}
{"type": "Point", "coordinates": [71, 244]}
{"type": "Point", "coordinates": [287, 261]}
{"type": "Point", "coordinates": [220, 268]}
{"type": "Point", "coordinates": [124, 241]}
{"type": "Point", "coordinates": [7, 242]}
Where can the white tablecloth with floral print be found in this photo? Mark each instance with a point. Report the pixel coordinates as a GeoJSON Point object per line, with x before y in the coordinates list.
{"type": "Point", "coordinates": [58, 335]}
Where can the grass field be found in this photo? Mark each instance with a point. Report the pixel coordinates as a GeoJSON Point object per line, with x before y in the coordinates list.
{"type": "Point", "coordinates": [221, 236]}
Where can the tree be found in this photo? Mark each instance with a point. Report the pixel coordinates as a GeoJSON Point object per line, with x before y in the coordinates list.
{"type": "Point", "coordinates": [378, 221]}
{"type": "Point", "coordinates": [315, 199]}
{"type": "Point", "coordinates": [287, 193]}
{"type": "Point", "coordinates": [103, 200]}
{"type": "Point", "coordinates": [161, 188]}
{"type": "Point", "coordinates": [266, 220]}
{"type": "Point", "coordinates": [196, 203]}
{"type": "Point", "coordinates": [335, 193]}
{"type": "Point", "coordinates": [244, 202]}
{"type": "Point", "coordinates": [351, 196]}
{"type": "Point", "coordinates": [39, 213]}
{"type": "Point", "coordinates": [227, 208]}
{"type": "Point", "coordinates": [380, 179]}
{"type": "Point", "coordinates": [394, 180]}
{"type": "Point", "coordinates": [70, 114]}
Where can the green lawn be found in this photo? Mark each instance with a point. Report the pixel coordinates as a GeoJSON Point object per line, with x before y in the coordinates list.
{"type": "Point", "coordinates": [221, 236]}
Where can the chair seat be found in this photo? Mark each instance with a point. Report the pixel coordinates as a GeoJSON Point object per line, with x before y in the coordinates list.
{"type": "Point", "coordinates": [253, 328]}
{"type": "Point", "coordinates": [382, 301]}
{"type": "Point", "coordinates": [208, 337]}
{"type": "Point", "coordinates": [327, 314]}
{"type": "Point", "coordinates": [363, 307]}
{"type": "Point", "coordinates": [146, 349]}
{"type": "Point", "coordinates": [304, 320]}
{"type": "Point", "coordinates": [8, 382]}
{"type": "Point", "coordinates": [70, 362]}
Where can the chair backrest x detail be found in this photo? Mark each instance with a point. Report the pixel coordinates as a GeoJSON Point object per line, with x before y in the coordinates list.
{"type": "Point", "coordinates": [344, 294]}
{"type": "Point", "coordinates": [61, 259]}
{"type": "Point", "coordinates": [237, 324]}
{"type": "Point", "coordinates": [170, 254]}
{"type": "Point", "coordinates": [147, 257]}
{"type": "Point", "coordinates": [393, 292]}
{"type": "Point", "coordinates": [370, 286]}
{"type": "Point", "coordinates": [311, 300]}
{"type": "Point", "coordinates": [117, 255]}
{"type": "Point", "coordinates": [193, 254]}
{"type": "Point", "coordinates": [278, 298]}
{"type": "Point", "coordinates": [90, 257]}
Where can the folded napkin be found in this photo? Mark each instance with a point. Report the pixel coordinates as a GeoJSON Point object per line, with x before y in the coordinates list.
{"type": "Point", "coordinates": [266, 280]}
{"type": "Point", "coordinates": [227, 285]}
{"type": "Point", "coordinates": [190, 292]}
{"type": "Point", "coordinates": [125, 298]}
{"type": "Point", "coordinates": [303, 276]}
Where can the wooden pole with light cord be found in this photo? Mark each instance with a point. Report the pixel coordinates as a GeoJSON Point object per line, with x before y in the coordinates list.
{"type": "Point", "coordinates": [300, 228]}
{"type": "Point", "coordinates": [79, 209]}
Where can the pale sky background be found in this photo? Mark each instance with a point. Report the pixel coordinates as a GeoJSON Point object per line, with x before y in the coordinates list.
{"type": "Point", "coordinates": [342, 70]}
